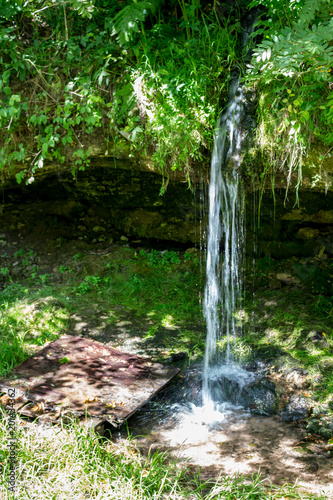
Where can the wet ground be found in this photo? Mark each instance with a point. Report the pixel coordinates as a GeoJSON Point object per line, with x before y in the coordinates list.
{"type": "Point", "coordinates": [237, 444]}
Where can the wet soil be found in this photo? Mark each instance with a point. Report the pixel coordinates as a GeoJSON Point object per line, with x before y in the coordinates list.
{"type": "Point", "coordinates": [282, 453]}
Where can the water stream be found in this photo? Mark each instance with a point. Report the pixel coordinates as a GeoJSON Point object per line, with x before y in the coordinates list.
{"type": "Point", "coordinates": [199, 417]}
{"type": "Point", "coordinates": [226, 229]}
{"type": "Point", "coordinates": [225, 247]}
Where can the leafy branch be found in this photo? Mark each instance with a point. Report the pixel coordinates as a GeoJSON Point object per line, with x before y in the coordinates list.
{"type": "Point", "coordinates": [292, 71]}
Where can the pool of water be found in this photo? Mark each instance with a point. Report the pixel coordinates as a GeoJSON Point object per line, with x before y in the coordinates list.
{"type": "Point", "coordinates": [177, 420]}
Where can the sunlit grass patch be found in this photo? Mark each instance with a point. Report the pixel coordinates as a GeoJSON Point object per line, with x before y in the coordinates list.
{"type": "Point", "coordinates": [28, 317]}
{"type": "Point", "coordinates": [158, 305]}
{"type": "Point", "coordinates": [288, 322]}
{"type": "Point", "coordinates": [96, 293]}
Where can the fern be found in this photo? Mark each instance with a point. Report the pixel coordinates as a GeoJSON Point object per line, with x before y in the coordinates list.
{"type": "Point", "coordinates": [292, 71]}
{"type": "Point", "coordinates": [125, 23]}
{"type": "Point", "coordinates": [85, 8]}
{"type": "Point", "coordinates": [315, 10]}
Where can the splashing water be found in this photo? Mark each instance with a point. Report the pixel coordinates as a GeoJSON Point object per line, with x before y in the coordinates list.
{"type": "Point", "coordinates": [226, 225]}
{"type": "Point", "coordinates": [226, 217]}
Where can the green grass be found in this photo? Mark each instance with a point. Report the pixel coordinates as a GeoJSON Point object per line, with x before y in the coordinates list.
{"type": "Point", "coordinates": [29, 317]}
{"type": "Point", "coordinates": [152, 291]}
{"type": "Point", "coordinates": [156, 296]}
{"type": "Point", "coordinates": [285, 321]}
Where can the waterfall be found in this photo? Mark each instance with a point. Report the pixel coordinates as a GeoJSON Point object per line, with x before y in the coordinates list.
{"type": "Point", "coordinates": [226, 215]}
{"type": "Point", "coordinates": [225, 232]}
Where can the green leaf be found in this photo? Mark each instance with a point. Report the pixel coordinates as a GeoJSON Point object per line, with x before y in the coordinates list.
{"type": "Point", "coordinates": [19, 176]}
{"type": "Point", "coordinates": [125, 22]}
{"type": "Point", "coordinates": [64, 360]}
{"type": "Point", "coordinates": [305, 115]}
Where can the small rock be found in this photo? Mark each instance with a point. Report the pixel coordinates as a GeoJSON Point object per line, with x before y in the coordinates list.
{"type": "Point", "coordinates": [307, 233]}
{"type": "Point", "coordinates": [191, 250]}
{"type": "Point", "coordinates": [260, 397]}
{"type": "Point", "coordinates": [298, 381]}
{"type": "Point", "coordinates": [296, 214]}
{"type": "Point", "coordinates": [287, 279]}
{"type": "Point", "coordinates": [313, 467]}
{"type": "Point", "coordinates": [315, 336]}
{"type": "Point", "coordinates": [324, 217]}
{"type": "Point", "coordinates": [251, 368]}
{"type": "Point", "coordinates": [297, 408]}
{"type": "Point", "coordinates": [318, 338]}
{"type": "Point", "coordinates": [177, 356]}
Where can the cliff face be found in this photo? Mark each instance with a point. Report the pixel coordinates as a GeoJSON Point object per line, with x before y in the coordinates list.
{"type": "Point", "coordinates": [119, 196]}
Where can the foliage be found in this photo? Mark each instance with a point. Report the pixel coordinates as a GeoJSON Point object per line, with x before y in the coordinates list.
{"type": "Point", "coordinates": [125, 23]}
{"type": "Point", "coordinates": [291, 69]}
{"type": "Point", "coordinates": [172, 102]}
{"type": "Point", "coordinates": [91, 283]}
{"type": "Point", "coordinates": [133, 69]}
{"type": "Point", "coordinates": [160, 259]}
{"type": "Point", "coordinates": [140, 73]}
{"type": "Point", "coordinates": [24, 321]}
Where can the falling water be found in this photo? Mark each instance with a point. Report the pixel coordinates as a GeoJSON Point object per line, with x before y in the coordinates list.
{"type": "Point", "coordinates": [226, 215]}
{"type": "Point", "coordinates": [226, 228]}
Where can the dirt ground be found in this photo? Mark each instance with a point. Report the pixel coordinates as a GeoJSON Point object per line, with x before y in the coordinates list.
{"type": "Point", "coordinates": [240, 444]}
{"type": "Point", "coordinates": [281, 452]}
